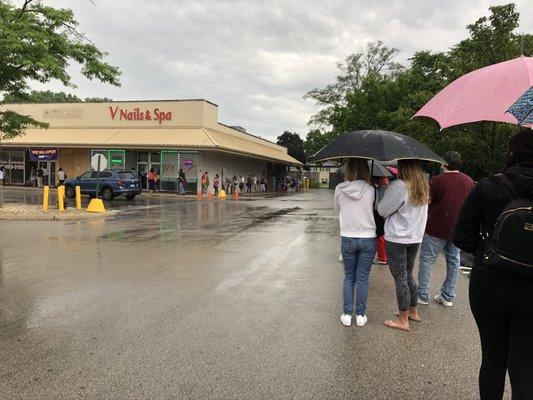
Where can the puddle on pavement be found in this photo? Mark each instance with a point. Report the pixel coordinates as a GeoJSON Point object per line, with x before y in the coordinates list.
{"type": "Point", "coordinates": [208, 223]}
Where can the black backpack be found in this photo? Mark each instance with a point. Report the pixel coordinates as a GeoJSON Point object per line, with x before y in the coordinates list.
{"type": "Point", "coordinates": [510, 247]}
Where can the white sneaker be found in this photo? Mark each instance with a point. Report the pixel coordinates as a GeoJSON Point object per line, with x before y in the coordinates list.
{"type": "Point", "coordinates": [361, 320]}
{"type": "Point", "coordinates": [340, 258]}
{"type": "Point", "coordinates": [420, 301]}
{"type": "Point", "coordinates": [346, 319]}
{"type": "Point", "coordinates": [440, 300]}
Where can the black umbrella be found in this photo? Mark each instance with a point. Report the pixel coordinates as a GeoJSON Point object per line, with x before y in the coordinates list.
{"type": "Point", "coordinates": [378, 169]}
{"type": "Point", "coordinates": [376, 145]}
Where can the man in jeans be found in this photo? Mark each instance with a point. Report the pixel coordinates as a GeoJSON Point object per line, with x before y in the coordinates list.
{"type": "Point", "coordinates": [448, 191]}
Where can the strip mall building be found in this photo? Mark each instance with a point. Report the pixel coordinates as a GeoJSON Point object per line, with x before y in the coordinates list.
{"type": "Point", "coordinates": [140, 135]}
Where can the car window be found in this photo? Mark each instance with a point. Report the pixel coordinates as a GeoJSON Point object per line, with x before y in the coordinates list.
{"type": "Point", "coordinates": [86, 175]}
{"type": "Point", "coordinates": [103, 175]}
{"type": "Point", "coordinates": [127, 175]}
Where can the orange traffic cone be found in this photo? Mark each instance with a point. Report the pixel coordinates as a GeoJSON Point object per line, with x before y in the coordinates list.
{"type": "Point", "coordinates": [199, 195]}
{"type": "Point", "coordinates": [209, 196]}
{"type": "Point", "coordinates": [236, 195]}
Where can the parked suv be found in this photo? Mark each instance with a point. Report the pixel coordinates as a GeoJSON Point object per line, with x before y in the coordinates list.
{"type": "Point", "coordinates": [112, 183]}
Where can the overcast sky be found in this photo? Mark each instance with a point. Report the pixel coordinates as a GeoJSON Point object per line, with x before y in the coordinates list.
{"type": "Point", "coordinates": [256, 59]}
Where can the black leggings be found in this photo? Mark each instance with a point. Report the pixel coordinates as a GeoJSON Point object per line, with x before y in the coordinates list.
{"type": "Point", "coordinates": [503, 309]}
{"type": "Point", "coordinates": [401, 264]}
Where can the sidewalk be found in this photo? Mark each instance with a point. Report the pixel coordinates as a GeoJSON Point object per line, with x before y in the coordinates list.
{"type": "Point", "coordinates": [189, 196]}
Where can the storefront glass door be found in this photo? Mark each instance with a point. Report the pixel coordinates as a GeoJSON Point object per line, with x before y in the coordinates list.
{"type": "Point", "coordinates": [49, 172]}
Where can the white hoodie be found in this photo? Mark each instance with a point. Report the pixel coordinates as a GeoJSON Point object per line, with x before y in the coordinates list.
{"type": "Point", "coordinates": [355, 199]}
{"type": "Point", "coordinates": [405, 222]}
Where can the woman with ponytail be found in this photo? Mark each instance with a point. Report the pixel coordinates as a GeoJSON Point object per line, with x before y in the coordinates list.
{"type": "Point", "coordinates": [405, 207]}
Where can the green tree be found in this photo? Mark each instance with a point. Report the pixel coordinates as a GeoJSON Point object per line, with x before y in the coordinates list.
{"type": "Point", "coordinates": [47, 96]}
{"type": "Point", "coordinates": [37, 43]}
{"type": "Point", "coordinates": [294, 143]}
{"type": "Point", "coordinates": [314, 141]}
{"type": "Point", "coordinates": [388, 97]}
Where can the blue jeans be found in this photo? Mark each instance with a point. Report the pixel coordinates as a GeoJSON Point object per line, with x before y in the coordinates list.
{"type": "Point", "coordinates": [181, 186]}
{"type": "Point", "coordinates": [357, 255]}
{"type": "Point", "coordinates": [429, 251]}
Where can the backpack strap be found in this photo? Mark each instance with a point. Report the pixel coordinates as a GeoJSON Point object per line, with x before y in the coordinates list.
{"type": "Point", "coordinates": [502, 178]}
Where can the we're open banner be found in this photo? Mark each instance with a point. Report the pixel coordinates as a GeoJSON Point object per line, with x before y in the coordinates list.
{"type": "Point", "coordinates": [43, 154]}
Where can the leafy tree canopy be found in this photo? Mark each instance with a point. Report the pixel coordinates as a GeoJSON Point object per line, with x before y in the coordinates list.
{"type": "Point", "coordinates": [373, 91]}
{"type": "Point", "coordinates": [294, 143]}
{"type": "Point", "coordinates": [47, 96]}
{"type": "Point", "coordinates": [38, 43]}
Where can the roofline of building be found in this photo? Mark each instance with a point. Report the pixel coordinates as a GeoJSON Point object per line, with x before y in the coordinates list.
{"type": "Point", "coordinates": [150, 147]}
{"type": "Point", "coordinates": [250, 134]}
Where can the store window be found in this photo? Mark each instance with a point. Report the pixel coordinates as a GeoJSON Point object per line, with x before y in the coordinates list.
{"type": "Point", "coordinates": [169, 164]}
{"type": "Point", "coordinates": [189, 164]}
{"type": "Point", "coordinates": [116, 158]}
{"type": "Point", "coordinates": [13, 162]}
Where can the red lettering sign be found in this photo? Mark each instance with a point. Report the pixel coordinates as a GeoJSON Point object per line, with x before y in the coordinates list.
{"type": "Point", "coordinates": [137, 115]}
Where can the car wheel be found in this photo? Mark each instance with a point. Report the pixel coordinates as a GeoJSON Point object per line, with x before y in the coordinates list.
{"type": "Point", "coordinates": [70, 192]}
{"type": "Point", "coordinates": [107, 193]}
{"type": "Point", "coordinates": [130, 196]}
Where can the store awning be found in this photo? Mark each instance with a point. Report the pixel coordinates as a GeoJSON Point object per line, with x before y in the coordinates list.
{"type": "Point", "coordinates": [151, 138]}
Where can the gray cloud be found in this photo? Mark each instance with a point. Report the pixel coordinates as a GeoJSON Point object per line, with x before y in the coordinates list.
{"type": "Point", "coordinates": [256, 59]}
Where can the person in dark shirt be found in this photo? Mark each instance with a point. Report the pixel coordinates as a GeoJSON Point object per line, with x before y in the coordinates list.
{"type": "Point", "coordinates": [502, 303]}
{"type": "Point", "coordinates": [448, 191]}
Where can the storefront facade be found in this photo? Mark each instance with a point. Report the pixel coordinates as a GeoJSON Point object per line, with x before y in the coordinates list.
{"type": "Point", "coordinates": [160, 135]}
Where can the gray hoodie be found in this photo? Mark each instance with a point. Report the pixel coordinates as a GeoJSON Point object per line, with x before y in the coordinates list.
{"type": "Point", "coordinates": [355, 200]}
{"type": "Point", "coordinates": [405, 223]}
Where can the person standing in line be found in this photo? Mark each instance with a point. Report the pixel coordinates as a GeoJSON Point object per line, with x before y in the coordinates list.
{"type": "Point", "coordinates": [263, 183]}
{"type": "Point", "coordinates": [254, 178]}
{"type": "Point", "coordinates": [182, 180]}
{"type": "Point", "coordinates": [405, 207]}
{"type": "Point", "coordinates": [152, 178]}
{"type": "Point", "coordinates": [241, 184]}
{"type": "Point", "coordinates": [354, 199]}
{"type": "Point", "coordinates": [216, 183]}
{"type": "Point", "coordinates": [61, 176]}
{"type": "Point", "coordinates": [33, 177]}
{"type": "Point", "coordinates": [2, 176]}
{"type": "Point", "coordinates": [249, 184]}
{"type": "Point", "coordinates": [46, 176]}
{"type": "Point", "coordinates": [39, 174]}
{"type": "Point", "coordinates": [234, 184]}
{"type": "Point", "coordinates": [501, 295]}
{"type": "Point", "coordinates": [447, 193]}
{"type": "Point", "coordinates": [382, 258]}
{"type": "Point", "coordinates": [274, 184]}
{"type": "Point", "coordinates": [204, 181]}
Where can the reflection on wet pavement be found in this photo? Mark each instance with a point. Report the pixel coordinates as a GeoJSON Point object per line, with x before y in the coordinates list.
{"type": "Point", "coordinates": [176, 298]}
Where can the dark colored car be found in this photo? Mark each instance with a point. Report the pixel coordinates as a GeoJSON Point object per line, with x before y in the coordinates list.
{"type": "Point", "coordinates": [112, 184]}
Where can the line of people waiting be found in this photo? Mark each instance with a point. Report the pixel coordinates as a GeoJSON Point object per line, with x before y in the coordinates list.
{"type": "Point", "coordinates": [411, 222]}
{"type": "Point", "coordinates": [449, 214]}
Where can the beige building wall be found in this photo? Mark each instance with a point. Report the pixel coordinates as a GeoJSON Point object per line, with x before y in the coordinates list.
{"type": "Point", "coordinates": [144, 114]}
{"type": "Point", "coordinates": [215, 162]}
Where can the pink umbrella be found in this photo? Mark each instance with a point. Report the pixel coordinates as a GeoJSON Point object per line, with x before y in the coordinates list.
{"type": "Point", "coordinates": [481, 95]}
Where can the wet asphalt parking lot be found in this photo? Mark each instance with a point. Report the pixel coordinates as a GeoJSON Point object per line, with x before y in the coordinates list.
{"type": "Point", "coordinates": [212, 300]}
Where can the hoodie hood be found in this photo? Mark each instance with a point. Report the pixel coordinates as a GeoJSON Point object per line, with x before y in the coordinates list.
{"type": "Point", "coordinates": [354, 189]}
{"type": "Point", "coordinates": [522, 178]}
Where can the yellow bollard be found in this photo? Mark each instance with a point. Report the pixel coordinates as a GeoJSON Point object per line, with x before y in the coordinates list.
{"type": "Point", "coordinates": [222, 194]}
{"type": "Point", "coordinates": [61, 198]}
{"type": "Point", "coordinates": [46, 190]}
{"type": "Point", "coordinates": [78, 197]}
